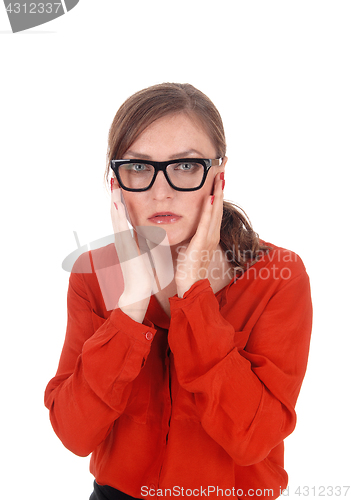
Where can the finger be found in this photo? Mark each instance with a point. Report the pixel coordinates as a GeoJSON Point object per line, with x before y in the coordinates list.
{"type": "Point", "coordinates": [218, 187]}
{"type": "Point", "coordinates": [209, 216]}
{"type": "Point", "coordinates": [118, 212]}
{"type": "Point", "coordinates": [114, 183]}
{"type": "Point", "coordinates": [138, 241]}
{"type": "Point", "coordinates": [206, 215]}
{"type": "Point", "coordinates": [217, 206]}
{"type": "Point", "coordinates": [124, 242]}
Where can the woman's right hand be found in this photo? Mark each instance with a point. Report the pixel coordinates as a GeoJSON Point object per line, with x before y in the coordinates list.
{"type": "Point", "coordinates": [135, 265]}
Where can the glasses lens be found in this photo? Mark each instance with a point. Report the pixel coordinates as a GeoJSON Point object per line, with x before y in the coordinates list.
{"type": "Point", "coordinates": [186, 175]}
{"type": "Point", "coordinates": [136, 175]}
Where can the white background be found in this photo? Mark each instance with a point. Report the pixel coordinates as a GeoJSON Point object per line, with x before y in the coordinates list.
{"type": "Point", "coordinates": [279, 73]}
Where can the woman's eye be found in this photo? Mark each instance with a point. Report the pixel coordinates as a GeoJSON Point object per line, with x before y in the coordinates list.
{"type": "Point", "coordinates": [139, 167]}
{"type": "Point", "coordinates": [186, 166]}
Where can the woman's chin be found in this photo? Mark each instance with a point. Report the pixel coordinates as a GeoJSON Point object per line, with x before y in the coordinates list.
{"type": "Point", "coordinates": [165, 235]}
{"type": "Point", "coordinates": [176, 236]}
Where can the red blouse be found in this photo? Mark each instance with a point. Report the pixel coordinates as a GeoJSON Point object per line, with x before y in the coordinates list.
{"type": "Point", "coordinates": [204, 399]}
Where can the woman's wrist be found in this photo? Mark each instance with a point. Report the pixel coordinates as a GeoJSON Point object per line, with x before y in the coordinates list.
{"type": "Point", "coordinates": [185, 283]}
{"type": "Point", "coordinates": [135, 310]}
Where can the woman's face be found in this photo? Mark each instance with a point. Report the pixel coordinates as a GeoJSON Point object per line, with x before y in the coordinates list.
{"type": "Point", "coordinates": [171, 137]}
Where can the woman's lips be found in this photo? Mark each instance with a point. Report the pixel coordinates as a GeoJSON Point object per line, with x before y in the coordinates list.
{"type": "Point", "coordinates": [164, 218]}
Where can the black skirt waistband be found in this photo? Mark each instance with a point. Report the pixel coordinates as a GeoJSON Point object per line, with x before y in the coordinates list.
{"type": "Point", "coordinates": [108, 493]}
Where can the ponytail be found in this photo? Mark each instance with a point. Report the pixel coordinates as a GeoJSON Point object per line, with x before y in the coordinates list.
{"type": "Point", "coordinates": [241, 244]}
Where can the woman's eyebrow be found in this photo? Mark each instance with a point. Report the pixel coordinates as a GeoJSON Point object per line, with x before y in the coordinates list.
{"type": "Point", "coordinates": [183, 154]}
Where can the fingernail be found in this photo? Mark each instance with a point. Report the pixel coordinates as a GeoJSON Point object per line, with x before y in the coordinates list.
{"type": "Point", "coordinates": [212, 198]}
{"type": "Point", "coordinates": [223, 184]}
{"type": "Point", "coordinates": [115, 204]}
{"type": "Point", "coordinates": [222, 176]}
{"type": "Point", "coordinates": [112, 181]}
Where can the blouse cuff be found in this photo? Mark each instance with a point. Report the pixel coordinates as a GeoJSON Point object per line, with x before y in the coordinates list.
{"type": "Point", "coordinates": [143, 332]}
{"type": "Point", "coordinates": [197, 288]}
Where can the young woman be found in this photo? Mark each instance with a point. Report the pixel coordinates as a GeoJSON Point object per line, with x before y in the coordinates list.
{"type": "Point", "coordinates": [187, 342]}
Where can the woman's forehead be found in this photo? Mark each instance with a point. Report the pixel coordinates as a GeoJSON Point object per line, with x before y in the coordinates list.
{"type": "Point", "coordinates": [177, 135]}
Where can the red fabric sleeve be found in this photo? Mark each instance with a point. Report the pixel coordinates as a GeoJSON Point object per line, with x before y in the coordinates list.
{"type": "Point", "coordinates": [99, 360]}
{"type": "Point", "coordinates": [245, 396]}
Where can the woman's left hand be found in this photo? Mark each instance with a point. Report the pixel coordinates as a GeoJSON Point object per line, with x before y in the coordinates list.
{"type": "Point", "coordinates": [195, 261]}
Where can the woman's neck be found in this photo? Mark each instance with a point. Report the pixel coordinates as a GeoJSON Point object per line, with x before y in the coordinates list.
{"type": "Point", "coordinates": [219, 272]}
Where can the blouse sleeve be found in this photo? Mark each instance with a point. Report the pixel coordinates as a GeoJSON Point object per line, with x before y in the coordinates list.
{"type": "Point", "coordinates": [245, 395]}
{"type": "Point", "coordinates": [99, 360]}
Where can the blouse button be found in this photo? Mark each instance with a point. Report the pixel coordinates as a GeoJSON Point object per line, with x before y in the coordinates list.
{"type": "Point", "coordinates": [148, 335]}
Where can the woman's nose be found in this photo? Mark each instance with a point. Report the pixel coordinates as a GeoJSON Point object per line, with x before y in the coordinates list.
{"type": "Point", "coordinates": [161, 189]}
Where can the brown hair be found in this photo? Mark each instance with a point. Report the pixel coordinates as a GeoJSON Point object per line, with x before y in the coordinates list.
{"type": "Point", "coordinates": [238, 240]}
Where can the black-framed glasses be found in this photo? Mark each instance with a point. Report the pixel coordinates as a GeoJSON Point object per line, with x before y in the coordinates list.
{"type": "Point", "coordinates": [184, 174]}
